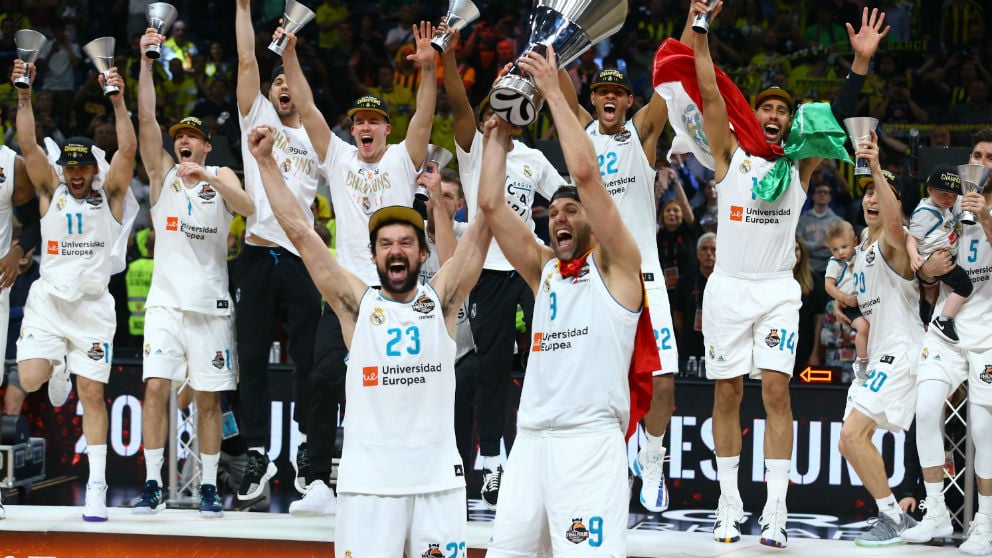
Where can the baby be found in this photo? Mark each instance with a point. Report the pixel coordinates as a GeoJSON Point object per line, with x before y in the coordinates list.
{"type": "Point", "coordinates": [839, 284]}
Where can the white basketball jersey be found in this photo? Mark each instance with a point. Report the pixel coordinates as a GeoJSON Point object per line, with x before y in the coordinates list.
{"type": "Point", "coordinates": [7, 162]}
{"type": "Point", "coordinates": [975, 257]}
{"type": "Point", "coordinates": [191, 227]}
{"type": "Point", "coordinates": [756, 236]}
{"type": "Point", "coordinates": [843, 275]}
{"type": "Point", "coordinates": [399, 432]}
{"type": "Point", "coordinates": [463, 328]}
{"type": "Point", "coordinates": [298, 162]}
{"type": "Point", "coordinates": [358, 189]}
{"type": "Point", "coordinates": [890, 303]}
{"type": "Point", "coordinates": [527, 171]}
{"type": "Point", "coordinates": [78, 236]}
{"type": "Point", "coordinates": [629, 178]}
{"type": "Point", "coordinates": [581, 348]}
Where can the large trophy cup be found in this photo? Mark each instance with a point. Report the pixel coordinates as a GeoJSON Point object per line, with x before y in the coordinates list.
{"type": "Point", "coordinates": [570, 27]}
{"type": "Point", "coordinates": [460, 14]}
{"type": "Point", "coordinates": [29, 44]}
{"type": "Point", "coordinates": [161, 16]}
{"type": "Point", "coordinates": [859, 129]}
{"type": "Point", "coordinates": [973, 178]}
{"type": "Point", "coordinates": [101, 54]}
{"type": "Point", "coordinates": [295, 16]}
{"type": "Point", "coordinates": [440, 157]}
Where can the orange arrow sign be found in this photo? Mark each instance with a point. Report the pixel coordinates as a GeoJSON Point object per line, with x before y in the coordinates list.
{"type": "Point", "coordinates": [811, 376]}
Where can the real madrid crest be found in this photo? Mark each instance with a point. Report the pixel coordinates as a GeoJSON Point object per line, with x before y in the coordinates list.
{"type": "Point", "coordinates": [527, 171]}
{"type": "Point", "coordinates": [378, 317]}
{"type": "Point", "coordinates": [285, 166]}
{"type": "Point", "coordinates": [745, 166]}
{"type": "Point", "coordinates": [176, 187]}
{"type": "Point", "coordinates": [924, 353]}
{"type": "Point", "coordinates": [870, 256]}
{"type": "Point", "coordinates": [60, 204]}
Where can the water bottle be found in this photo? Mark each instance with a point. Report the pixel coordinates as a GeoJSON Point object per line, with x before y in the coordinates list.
{"type": "Point", "coordinates": [275, 354]}
{"type": "Point", "coordinates": [692, 368]}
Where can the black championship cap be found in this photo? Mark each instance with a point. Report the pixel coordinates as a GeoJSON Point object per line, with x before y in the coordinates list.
{"type": "Point", "coordinates": [611, 76]}
{"type": "Point", "coordinates": [566, 191]}
{"type": "Point", "coordinates": [945, 179]}
{"type": "Point", "coordinates": [777, 93]}
{"type": "Point", "coordinates": [369, 102]}
{"type": "Point", "coordinates": [864, 181]}
{"type": "Point", "coordinates": [394, 213]}
{"type": "Point", "coordinates": [190, 123]}
{"type": "Point", "coordinates": [276, 72]}
{"type": "Point", "coordinates": [77, 151]}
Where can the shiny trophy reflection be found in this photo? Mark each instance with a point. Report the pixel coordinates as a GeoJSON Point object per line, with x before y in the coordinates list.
{"type": "Point", "coordinates": [973, 179]}
{"type": "Point", "coordinates": [161, 16]}
{"type": "Point", "coordinates": [859, 129]}
{"type": "Point", "coordinates": [29, 44]}
{"type": "Point", "coordinates": [296, 15]}
{"type": "Point", "coordinates": [460, 14]}
{"type": "Point", "coordinates": [101, 54]}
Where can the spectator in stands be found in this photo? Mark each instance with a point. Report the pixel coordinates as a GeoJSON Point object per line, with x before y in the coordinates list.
{"type": "Point", "coordinates": [814, 300]}
{"type": "Point", "coordinates": [402, 33]}
{"type": "Point", "coordinates": [825, 32]}
{"type": "Point", "coordinates": [59, 63]}
{"type": "Point", "coordinates": [813, 225]}
{"type": "Point", "coordinates": [975, 110]}
{"type": "Point", "coordinates": [179, 46]}
{"type": "Point", "coordinates": [331, 14]}
{"type": "Point", "coordinates": [687, 304]}
{"type": "Point", "coordinates": [676, 234]}
{"type": "Point", "coordinates": [940, 136]}
{"type": "Point", "coordinates": [897, 105]}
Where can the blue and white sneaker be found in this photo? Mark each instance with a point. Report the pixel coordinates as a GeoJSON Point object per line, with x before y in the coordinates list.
{"type": "Point", "coordinates": [151, 501]}
{"type": "Point", "coordinates": [210, 504]}
{"type": "Point", "coordinates": [654, 491]}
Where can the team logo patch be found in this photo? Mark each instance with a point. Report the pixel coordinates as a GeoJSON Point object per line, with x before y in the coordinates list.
{"type": "Point", "coordinates": [218, 360]}
{"type": "Point", "coordinates": [285, 166]}
{"type": "Point", "coordinates": [986, 375]}
{"type": "Point", "coordinates": [370, 376]}
{"type": "Point", "coordinates": [736, 213]}
{"type": "Point", "coordinates": [577, 533]}
{"type": "Point", "coordinates": [433, 551]}
{"type": "Point", "coordinates": [60, 204]}
{"type": "Point", "coordinates": [95, 352]}
{"type": "Point", "coordinates": [887, 359]}
{"type": "Point", "coordinates": [53, 247]}
{"type": "Point", "coordinates": [459, 472]}
{"type": "Point", "coordinates": [622, 136]}
{"type": "Point", "coordinates": [924, 353]}
{"type": "Point", "coordinates": [870, 256]}
{"type": "Point", "coordinates": [528, 172]}
{"type": "Point", "coordinates": [745, 166]}
{"type": "Point", "coordinates": [148, 349]}
{"type": "Point", "coordinates": [773, 339]}
{"type": "Point", "coordinates": [712, 352]}
{"type": "Point", "coordinates": [176, 187]}
{"type": "Point", "coordinates": [3, 176]}
{"type": "Point", "coordinates": [424, 305]}
{"type": "Point", "coordinates": [207, 193]}
{"type": "Point", "coordinates": [366, 205]}
{"type": "Point", "coordinates": [95, 198]}
{"type": "Point", "coordinates": [172, 223]}
{"type": "Point", "coordinates": [378, 317]}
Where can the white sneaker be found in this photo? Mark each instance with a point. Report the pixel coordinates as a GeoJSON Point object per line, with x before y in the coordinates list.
{"type": "Point", "coordinates": [318, 500]}
{"type": "Point", "coordinates": [654, 491]}
{"type": "Point", "coordinates": [729, 516]}
{"type": "Point", "coordinates": [59, 385]}
{"type": "Point", "coordinates": [979, 541]}
{"type": "Point", "coordinates": [772, 522]}
{"type": "Point", "coordinates": [936, 523]}
{"type": "Point", "coordinates": [96, 502]}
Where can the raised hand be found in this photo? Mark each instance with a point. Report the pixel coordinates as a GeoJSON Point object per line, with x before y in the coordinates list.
{"type": "Point", "coordinates": [543, 69]}
{"type": "Point", "coordinates": [865, 42]}
{"type": "Point", "coordinates": [425, 54]}
{"type": "Point", "coordinates": [151, 37]}
{"type": "Point", "coordinates": [260, 141]}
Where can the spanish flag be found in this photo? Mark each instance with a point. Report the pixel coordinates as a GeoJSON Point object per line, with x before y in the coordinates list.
{"type": "Point", "coordinates": [643, 363]}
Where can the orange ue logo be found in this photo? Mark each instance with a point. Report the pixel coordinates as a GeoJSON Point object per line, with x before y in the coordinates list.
{"type": "Point", "coordinates": [172, 223]}
{"type": "Point", "coordinates": [538, 336]}
{"type": "Point", "coordinates": [53, 247]}
{"type": "Point", "coordinates": [736, 213]}
{"type": "Point", "coordinates": [370, 376]}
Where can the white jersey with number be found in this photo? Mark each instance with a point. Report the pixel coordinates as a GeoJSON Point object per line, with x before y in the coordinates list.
{"type": "Point", "coordinates": [8, 159]}
{"type": "Point", "coordinates": [78, 238]}
{"type": "Point", "coordinates": [756, 236]}
{"type": "Point", "coordinates": [581, 347]}
{"type": "Point", "coordinates": [889, 302]}
{"type": "Point", "coordinates": [463, 328]}
{"type": "Point", "coordinates": [297, 161]}
{"type": "Point", "coordinates": [975, 257]}
{"type": "Point", "coordinates": [358, 189]}
{"type": "Point", "coordinates": [528, 172]}
{"type": "Point", "coordinates": [399, 432]}
{"type": "Point", "coordinates": [191, 225]}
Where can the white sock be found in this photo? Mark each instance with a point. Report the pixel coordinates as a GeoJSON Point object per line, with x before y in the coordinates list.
{"type": "Point", "coordinates": [726, 470]}
{"type": "Point", "coordinates": [777, 480]}
{"type": "Point", "coordinates": [935, 490]}
{"type": "Point", "coordinates": [889, 507]}
{"type": "Point", "coordinates": [154, 458]}
{"type": "Point", "coordinates": [653, 444]}
{"type": "Point", "coordinates": [98, 464]}
{"type": "Point", "coordinates": [209, 462]}
{"type": "Point", "coordinates": [490, 462]}
{"type": "Point", "coordinates": [985, 505]}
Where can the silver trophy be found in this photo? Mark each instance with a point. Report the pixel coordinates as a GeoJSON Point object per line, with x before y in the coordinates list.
{"type": "Point", "coordinates": [460, 14]}
{"type": "Point", "coordinates": [570, 27]}
{"type": "Point", "coordinates": [701, 23]}
{"type": "Point", "coordinates": [859, 129]}
{"type": "Point", "coordinates": [101, 54]}
{"type": "Point", "coordinates": [973, 179]}
{"type": "Point", "coordinates": [294, 18]}
{"type": "Point", "coordinates": [161, 16]}
{"type": "Point", "coordinates": [435, 154]}
{"type": "Point", "coordinates": [29, 44]}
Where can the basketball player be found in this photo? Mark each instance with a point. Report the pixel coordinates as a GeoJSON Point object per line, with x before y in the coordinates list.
{"type": "Point", "coordinates": [575, 404]}
{"type": "Point", "coordinates": [401, 483]}
{"type": "Point", "coordinates": [270, 279]}
{"type": "Point", "coordinates": [943, 367]}
{"type": "Point", "coordinates": [69, 313]}
{"type": "Point", "coordinates": [361, 179]}
{"type": "Point", "coordinates": [189, 325]}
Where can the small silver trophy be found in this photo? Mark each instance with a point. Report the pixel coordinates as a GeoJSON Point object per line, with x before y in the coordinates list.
{"type": "Point", "coordinates": [859, 129]}
{"type": "Point", "coordinates": [701, 23]}
{"type": "Point", "coordinates": [437, 155]}
{"type": "Point", "coordinates": [570, 27]}
{"type": "Point", "coordinates": [161, 16]}
{"type": "Point", "coordinates": [101, 54]}
{"type": "Point", "coordinates": [29, 44]}
{"type": "Point", "coordinates": [294, 18]}
{"type": "Point", "coordinates": [973, 179]}
{"type": "Point", "coordinates": [460, 14]}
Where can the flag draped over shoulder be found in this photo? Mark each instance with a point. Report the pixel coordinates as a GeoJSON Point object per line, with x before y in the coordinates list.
{"type": "Point", "coordinates": [814, 133]}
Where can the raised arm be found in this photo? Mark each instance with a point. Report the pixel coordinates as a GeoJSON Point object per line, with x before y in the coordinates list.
{"type": "Point", "coordinates": [40, 171]}
{"type": "Point", "coordinates": [302, 96]}
{"type": "Point", "coordinates": [461, 108]}
{"type": "Point", "coordinates": [650, 121]}
{"type": "Point", "coordinates": [341, 288]}
{"type": "Point", "coordinates": [716, 122]}
{"type": "Point", "coordinates": [617, 253]}
{"type": "Point", "coordinates": [248, 81]}
{"type": "Point", "coordinates": [118, 179]}
{"type": "Point", "coordinates": [893, 235]}
{"type": "Point", "coordinates": [456, 278]}
{"type": "Point", "coordinates": [418, 134]}
{"type": "Point", "coordinates": [567, 87]}
{"type": "Point", "coordinates": [156, 159]}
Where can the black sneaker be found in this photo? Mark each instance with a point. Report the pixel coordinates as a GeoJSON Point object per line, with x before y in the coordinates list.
{"type": "Point", "coordinates": [302, 466]}
{"type": "Point", "coordinates": [258, 471]}
{"type": "Point", "coordinates": [210, 504]}
{"type": "Point", "coordinates": [945, 328]}
{"type": "Point", "coordinates": [151, 501]}
{"type": "Point", "coordinates": [490, 486]}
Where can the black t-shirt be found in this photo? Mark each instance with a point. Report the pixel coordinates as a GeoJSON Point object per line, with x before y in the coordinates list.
{"type": "Point", "coordinates": [688, 299]}
{"type": "Point", "coordinates": [677, 253]}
